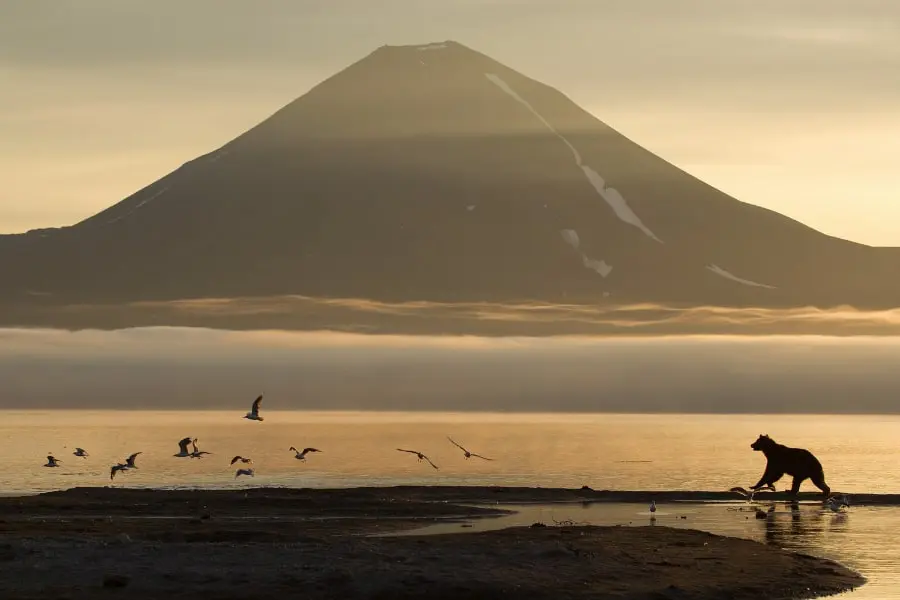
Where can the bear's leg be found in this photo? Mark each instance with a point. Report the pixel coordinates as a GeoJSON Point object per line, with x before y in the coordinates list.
{"type": "Point", "coordinates": [819, 480]}
{"type": "Point", "coordinates": [795, 486]}
{"type": "Point", "coordinates": [768, 478]}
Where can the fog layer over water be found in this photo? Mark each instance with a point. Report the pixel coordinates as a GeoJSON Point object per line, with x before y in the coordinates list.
{"type": "Point", "coordinates": [200, 368]}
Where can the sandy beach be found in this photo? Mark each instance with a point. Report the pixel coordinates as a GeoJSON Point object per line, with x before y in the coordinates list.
{"type": "Point", "coordinates": [255, 543]}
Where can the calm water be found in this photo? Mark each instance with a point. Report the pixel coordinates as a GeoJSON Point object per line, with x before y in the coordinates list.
{"type": "Point", "coordinates": [685, 452]}
{"type": "Point", "coordinates": [634, 452]}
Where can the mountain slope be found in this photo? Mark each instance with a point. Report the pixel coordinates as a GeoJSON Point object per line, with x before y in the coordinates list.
{"type": "Point", "coordinates": [437, 173]}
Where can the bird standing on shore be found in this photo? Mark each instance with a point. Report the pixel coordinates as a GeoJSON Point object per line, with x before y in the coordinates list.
{"type": "Point", "coordinates": [302, 455]}
{"type": "Point", "coordinates": [652, 507]}
{"type": "Point", "coordinates": [240, 458]}
{"type": "Point", "coordinates": [80, 452]}
{"type": "Point", "coordinates": [52, 461]}
{"type": "Point", "coordinates": [253, 415]}
{"type": "Point", "coordinates": [248, 472]}
{"type": "Point", "coordinates": [466, 453]}
{"type": "Point", "coordinates": [183, 448]}
{"type": "Point", "coordinates": [419, 455]}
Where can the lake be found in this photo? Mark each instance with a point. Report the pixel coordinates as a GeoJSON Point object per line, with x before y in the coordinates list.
{"type": "Point", "coordinates": [604, 451]}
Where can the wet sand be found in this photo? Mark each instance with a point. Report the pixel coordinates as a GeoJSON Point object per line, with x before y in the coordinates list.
{"type": "Point", "coordinates": [294, 543]}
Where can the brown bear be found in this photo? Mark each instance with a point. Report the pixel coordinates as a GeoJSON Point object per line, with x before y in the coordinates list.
{"type": "Point", "coordinates": [798, 462]}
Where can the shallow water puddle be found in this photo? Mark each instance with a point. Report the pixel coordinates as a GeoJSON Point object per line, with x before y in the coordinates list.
{"type": "Point", "coordinates": [863, 538]}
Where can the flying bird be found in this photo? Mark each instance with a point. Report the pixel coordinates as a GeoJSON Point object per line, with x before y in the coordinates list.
{"type": "Point", "coordinates": [197, 453]}
{"type": "Point", "coordinates": [248, 472]}
{"type": "Point", "coordinates": [302, 455]}
{"type": "Point", "coordinates": [419, 455]}
{"type": "Point", "coordinates": [81, 452]}
{"type": "Point", "coordinates": [183, 448]}
{"type": "Point", "coordinates": [240, 458]}
{"type": "Point", "coordinates": [466, 453]}
{"type": "Point", "coordinates": [750, 494]}
{"type": "Point", "coordinates": [253, 415]}
{"type": "Point", "coordinates": [52, 461]}
{"type": "Point", "coordinates": [129, 462]}
{"type": "Point", "coordinates": [115, 469]}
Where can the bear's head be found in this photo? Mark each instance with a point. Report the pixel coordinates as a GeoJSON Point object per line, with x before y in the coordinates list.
{"type": "Point", "coordinates": [762, 442]}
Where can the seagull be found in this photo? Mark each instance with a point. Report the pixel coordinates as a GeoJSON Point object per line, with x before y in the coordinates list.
{"type": "Point", "coordinates": [253, 415]}
{"type": "Point", "coordinates": [420, 456]}
{"type": "Point", "coordinates": [750, 494]}
{"type": "Point", "coordinates": [183, 448]}
{"type": "Point", "coordinates": [115, 469]}
{"type": "Point", "coordinates": [52, 461]}
{"type": "Point", "coordinates": [652, 506]}
{"type": "Point", "coordinates": [467, 454]}
{"type": "Point", "coordinates": [838, 504]}
{"type": "Point", "coordinates": [302, 455]}
{"type": "Point", "coordinates": [129, 462]}
{"type": "Point", "coordinates": [81, 452]}
{"type": "Point", "coordinates": [242, 459]}
{"type": "Point", "coordinates": [240, 472]}
{"type": "Point", "coordinates": [197, 453]}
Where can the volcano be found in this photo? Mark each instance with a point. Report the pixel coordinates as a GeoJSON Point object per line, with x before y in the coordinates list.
{"type": "Point", "coordinates": [435, 173]}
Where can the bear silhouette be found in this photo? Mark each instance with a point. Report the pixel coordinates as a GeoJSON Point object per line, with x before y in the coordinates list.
{"type": "Point", "coordinates": [797, 462]}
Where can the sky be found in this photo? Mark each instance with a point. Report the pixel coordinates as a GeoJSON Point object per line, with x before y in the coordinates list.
{"type": "Point", "coordinates": [794, 106]}
{"type": "Point", "coordinates": [198, 369]}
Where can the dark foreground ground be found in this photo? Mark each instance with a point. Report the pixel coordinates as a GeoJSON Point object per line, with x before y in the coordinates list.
{"type": "Point", "coordinates": [284, 543]}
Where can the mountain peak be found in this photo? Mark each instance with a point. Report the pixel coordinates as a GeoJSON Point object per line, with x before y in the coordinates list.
{"type": "Point", "coordinates": [433, 172]}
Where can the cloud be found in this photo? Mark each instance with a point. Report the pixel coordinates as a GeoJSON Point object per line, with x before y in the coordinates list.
{"type": "Point", "coordinates": [207, 369]}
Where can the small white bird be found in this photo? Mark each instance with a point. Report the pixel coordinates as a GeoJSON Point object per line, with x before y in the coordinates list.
{"type": "Point", "coordinates": [248, 472]}
{"type": "Point", "coordinates": [115, 469]}
{"type": "Point", "coordinates": [302, 455]}
{"type": "Point", "coordinates": [129, 462]}
{"type": "Point", "coordinates": [52, 461]}
{"type": "Point", "coordinates": [419, 455]}
{"type": "Point", "coordinates": [242, 459]}
{"type": "Point", "coordinates": [253, 415]}
{"type": "Point", "coordinates": [183, 448]}
{"type": "Point", "coordinates": [81, 452]}
{"type": "Point", "coordinates": [466, 453]}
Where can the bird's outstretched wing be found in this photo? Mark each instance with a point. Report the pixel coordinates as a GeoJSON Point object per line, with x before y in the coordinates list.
{"type": "Point", "coordinates": [235, 459]}
{"type": "Point", "coordinates": [457, 445]}
{"type": "Point", "coordinates": [134, 456]}
{"type": "Point", "coordinates": [480, 456]}
{"type": "Point", "coordinates": [183, 444]}
{"type": "Point", "coordinates": [429, 462]}
{"type": "Point", "coordinates": [410, 451]}
{"type": "Point", "coordinates": [306, 450]}
{"type": "Point", "coordinates": [255, 408]}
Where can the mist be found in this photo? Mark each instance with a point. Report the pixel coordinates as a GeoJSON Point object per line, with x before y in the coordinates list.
{"type": "Point", "coordinates": [188, 368]}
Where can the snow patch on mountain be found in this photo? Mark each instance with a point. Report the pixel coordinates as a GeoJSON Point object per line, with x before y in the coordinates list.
{"type": "Point", "coordinates": [727, 275]}
{"type": "Point", "coordinates": [601, 267]}
{"type": "Point", "coordinates": [612, 196]}
{"type": "Point", "coordinates": [439, 46]}
{"type": "Point", "coordinates": [139, 205]}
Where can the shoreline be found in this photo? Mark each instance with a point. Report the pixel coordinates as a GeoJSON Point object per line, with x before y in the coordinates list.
{"type": "Point", "coordinates": [287, 542]}
{"type": "Point", "coordinates": [453, 493]}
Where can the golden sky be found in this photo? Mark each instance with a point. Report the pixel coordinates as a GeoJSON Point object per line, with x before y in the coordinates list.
{"type": "Point", "coordinates": [794, 106]}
